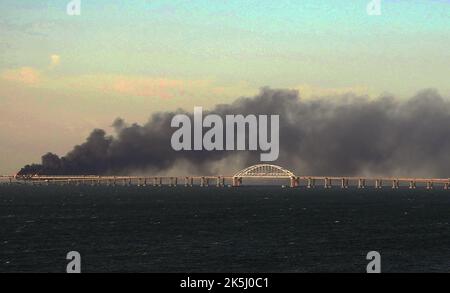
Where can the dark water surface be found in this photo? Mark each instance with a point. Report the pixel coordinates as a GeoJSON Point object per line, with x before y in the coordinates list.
{"type": "Point", "coordinates": [248, 229]}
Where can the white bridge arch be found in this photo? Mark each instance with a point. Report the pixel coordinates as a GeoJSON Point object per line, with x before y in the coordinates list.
{"type": "Point", "coordinates": [264, 171]}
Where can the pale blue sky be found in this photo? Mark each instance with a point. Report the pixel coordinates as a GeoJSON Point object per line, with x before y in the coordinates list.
{"type": "Point", "coordinates": [276, 43]}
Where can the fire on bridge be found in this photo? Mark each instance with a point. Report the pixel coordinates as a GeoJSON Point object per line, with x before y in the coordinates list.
{"type": "Point", "coordinates": [256, 172]}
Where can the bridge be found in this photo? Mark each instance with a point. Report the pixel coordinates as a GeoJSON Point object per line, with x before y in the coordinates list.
{"type": "Point", "coordinates": [262, 171]}
{"type": "Point", "coordinates": [258, 172]}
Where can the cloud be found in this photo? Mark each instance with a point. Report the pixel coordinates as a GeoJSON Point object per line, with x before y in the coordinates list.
{"type": "Point", "coordinates": [26, 75]}
{"type": "Point", "coordinates": [55, 60]}
{"type": "Point", "coordinates": [144, 86]}
{"type": "Point", "coordinates": [140, 86]}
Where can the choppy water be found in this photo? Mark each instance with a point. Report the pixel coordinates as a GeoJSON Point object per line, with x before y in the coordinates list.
{"type": "Point", "coordinates": [248, 229]}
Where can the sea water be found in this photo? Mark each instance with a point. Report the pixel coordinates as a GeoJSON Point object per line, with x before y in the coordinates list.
{"type": "Point", "coordinates": [220, 229]}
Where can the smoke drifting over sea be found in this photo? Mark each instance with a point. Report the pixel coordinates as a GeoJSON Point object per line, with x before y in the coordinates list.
{"type": "Point", "coordinates": [345, 135]}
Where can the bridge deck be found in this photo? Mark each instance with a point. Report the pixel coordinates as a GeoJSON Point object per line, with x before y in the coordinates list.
{"type": "Point", "coordinates": [220, 180]}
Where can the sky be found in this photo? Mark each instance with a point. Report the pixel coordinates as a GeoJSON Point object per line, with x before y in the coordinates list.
{"type": "Point", "coordinates": [61, 75]}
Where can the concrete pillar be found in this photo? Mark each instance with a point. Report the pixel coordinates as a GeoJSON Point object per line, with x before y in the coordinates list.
{"type": "Point", "coordinates": [202, 182]}
{"type": "Point", "coordinates": [429, 185]}
{"type": "Point", "coordinates": [361, 183]}
{"type": "Point", "coordinates": [412, 184]}
{"type": "Point", "coordinates": [327, 183]}
{"type": "Point", "coordinates": [378, 183]}
{"type": "Point", "coordinates": [311, 183]}
{"type": "Point", "coordinates": [294, 182]}
{"type": "Point", "coordinates": [344, 183]}
{"type": "Point", "coordinates": [395, 184]}
{"type": "Point", "coordinates": [218, 181]}
{"type": "Point", "coordinates": [446, 185]}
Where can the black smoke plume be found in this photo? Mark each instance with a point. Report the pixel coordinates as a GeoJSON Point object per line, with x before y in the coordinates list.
{"type": "Point", "coordinates": [345, 135]}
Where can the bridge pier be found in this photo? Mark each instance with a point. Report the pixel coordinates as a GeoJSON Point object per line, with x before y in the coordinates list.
{"type": "Point", "coordinates": [395, 184]}
{"type": "Point", "coordinates": [361, 183]}
{"type": "Point", "coordinates": [237, 181]}
{"type": "Point", "coordinates": [294, 182]}
{"type": "Point", "coordinates": [344, 183]}
{"type": "Point", "coordinates": [327, 183]}
{"type": "Point", "coordinates": [311, 183]}
{"type": "Point", "coordinates": [204, 181]}
{"type": "Point", "coordinates": [446, 186]}
{"type": "Point", "coordinates": [412, 184]}
{"type": "Point", "coordinates": [378, 183]}
{"type": "Point", "coordinates": [429, 185]}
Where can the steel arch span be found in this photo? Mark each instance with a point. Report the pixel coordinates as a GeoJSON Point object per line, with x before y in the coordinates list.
{"type": "Point", "coordinates": [264, 171]}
